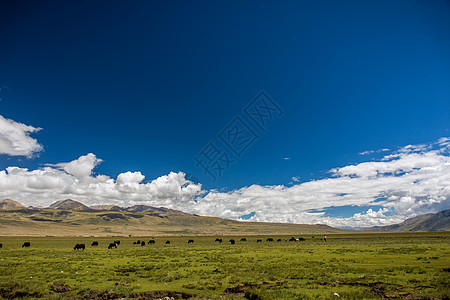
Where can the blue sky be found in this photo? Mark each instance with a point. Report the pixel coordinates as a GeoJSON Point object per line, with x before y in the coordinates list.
{"type": "Point", "coordinates": [145, 86]}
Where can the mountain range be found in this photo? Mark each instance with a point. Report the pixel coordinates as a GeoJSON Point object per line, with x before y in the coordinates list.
{"type": "Point", "coordinates": [439, 221]}
{"type": "Point", "coordinates": [72, 218]}
{"type": "Point", "coordinates": [69, 217]}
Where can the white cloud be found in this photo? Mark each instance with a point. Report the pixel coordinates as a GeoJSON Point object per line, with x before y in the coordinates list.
{"type": "Point", "coordinates": [413, 180]}
{"type": "Point", "coordinates": [405, 183]}
{"type": "Point", "coordinates": [82, 167]}
{"type": "Point", "coordinates": [366, 152]}
{"type": "Point", "coordinates": [373, 151]}
{"type": "Point", "coordinates": [74, 180]}
{"type": "Point", "coordinates": [296, 179]}
{"type": "Point", "coordinates": [130, 178]}
{"type": "Point", "coordinates": [15, 138]}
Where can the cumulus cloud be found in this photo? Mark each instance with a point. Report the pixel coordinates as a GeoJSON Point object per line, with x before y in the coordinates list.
{"type": "Point", "coordinates": [74, 180]}
{"type": "Point", "coordinates": [82, 167]}
{"type": "Point", "coordinates": [15, 138]}
{"type": "Point", "coordinates": [413, 180]}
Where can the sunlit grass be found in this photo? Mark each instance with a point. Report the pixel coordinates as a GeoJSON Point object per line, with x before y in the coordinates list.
{"type": "Point", "coordinates": [359, 266]}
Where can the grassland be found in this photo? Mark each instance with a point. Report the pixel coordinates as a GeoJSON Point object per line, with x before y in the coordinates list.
{"type": "Point", "coordinates": [355, 266]}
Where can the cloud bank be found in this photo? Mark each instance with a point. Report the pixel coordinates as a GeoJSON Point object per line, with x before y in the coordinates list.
{"type": "Point", "coordinates": [75, 180]}
{"type": "Point", "coordinates": [412, 180]}
{"type": "Point", "coordinates": [15, 138]}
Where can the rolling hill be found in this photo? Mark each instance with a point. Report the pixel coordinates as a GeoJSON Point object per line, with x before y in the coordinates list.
{"type": "Point", "coordinates": [72, 218]}
{"type": "Point", "coordinates": [10, 204]}
{"type": "Point", "coordinates": [439, 221]}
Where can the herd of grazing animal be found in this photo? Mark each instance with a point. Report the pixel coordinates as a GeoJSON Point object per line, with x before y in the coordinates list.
{"type": "Point", "coordinates": [152, 242]}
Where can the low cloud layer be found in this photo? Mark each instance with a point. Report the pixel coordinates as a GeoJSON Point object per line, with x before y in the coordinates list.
{"type": "Point", "coordinates": [411, 181]}
{"type": "Point", "coordinates": [74, 180]}
{"type": "Point", "coordinates": [15, 138]}
{"type": "Point", "coordinates": [404, 183]}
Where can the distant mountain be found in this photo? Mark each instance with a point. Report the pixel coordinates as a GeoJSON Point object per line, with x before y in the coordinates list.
{"type": "Point", "coordinates": [439, 221]}
{"type": "Point", "coordinates": [140, 209]}
{"type": "Point", "coordinates": [10, 204]}
{"type": "Point", "coordinates": [72, 218]}
{"type": "Point", "coordinates": [107, 207]}
{"type": "Point", "coordinates": [158, 210]}
{"type": "Point", "coordinates": [68, 204]}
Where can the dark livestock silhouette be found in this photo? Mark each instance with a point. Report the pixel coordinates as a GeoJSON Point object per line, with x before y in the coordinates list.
{"type": "Point", "coordinates": [219, 240]}
{"type": "Point", "coordinates": [292, 239]}
{"type": "Point", "coordinates": [243, 240]}
{"type": "Point", "coordinates": [258, 241]}
{"type": "Point", "coordinates": [190, 241]}
{"type": "Point", "coordinates": [269, 240]}
{"type": "Point", "coordinates": [79, 246]}
{"type": "Point", "coordinates": [142, 243]}
{"type": "Point", "coordinates": [1, 245]}
{"type": "Point", "coordinates": [232, 242]}
{"type": "Point", "coordinates": [151, 242]}
{"type": "Point", "coordinates": [95, 243]}
{"type": "Point", "coordinates": [112, 245]}
{"type": "Point", "coordinates": [167, 242]}
{"type": "Point", "coordinates": [279, 240]}
{"type": "Point", "coordinates": [117, 243]}
{"type": "Point", "coordinates": [26, 244]}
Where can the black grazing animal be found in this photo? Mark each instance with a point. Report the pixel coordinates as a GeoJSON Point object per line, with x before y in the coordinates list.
{"type": "Point", "coordinates": [142, 243]}
{"type": "Point", "coordinates": [258, 241]}
{"type": "Point", "coordinates": [134, 243]}
{"type": "Point", "coordinates": [112, 245]}
{"type": "Point", "coordinates": [26, 244]}
{"type": "Point", "coordinates": [1, 245]}
{"type": "Point", "coordinates": [279, 240]}
{"type": "Point", "coordinates": [79, 246]}
{"type": "Point", "coordinates": [219, 240]}
{"type": "Point", "coordinates": [269, 240]}
{"type": "Point", "coordinates": [292, 239]}
{"type": "Point", "coordinates": [232, 242]}
{"type": "Point", "coordinates": [151, 241]}
{"type": "Point", "coordinates": [167, 242]}
{"type": "Point", "coordinates": [190, 241]}
{"type": "Point", "coordinates": [301, 239]}
{"type": "Point", "coordinates": [243, 240]}
{"type": "Point", "coordinates": [117, 243]}
{"type": "Point", "coordinates": [94, 243]}
{"type": "Point", "coordinates": [138, 242]}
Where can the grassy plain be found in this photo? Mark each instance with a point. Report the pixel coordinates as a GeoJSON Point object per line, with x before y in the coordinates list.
{"type": "Point", "coordinates": [355, 266]}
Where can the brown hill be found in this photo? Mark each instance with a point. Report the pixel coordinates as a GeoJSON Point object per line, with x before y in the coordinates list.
{"type": "Point", "coordinates": [157, 210]}
{"type": "Point", "coordinates": [439, 221]}
{"type": "Point", "coordinates": [70, 218]}
{"type": "Point", "coordinates": [68, 204]}
{"type": "Point", "coordinates": [106, 207]}
{"type": "Point", "coordinates": [10, 204]}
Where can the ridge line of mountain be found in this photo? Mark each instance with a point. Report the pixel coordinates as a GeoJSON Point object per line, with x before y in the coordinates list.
{"type": "Point", "coordinates": [69, 204]}
{"type": "Point", "coordinates": [439, 221]}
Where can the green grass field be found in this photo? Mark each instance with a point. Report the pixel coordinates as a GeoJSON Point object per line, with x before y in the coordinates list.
{"type": "Point", "coordinates": [355, 266]}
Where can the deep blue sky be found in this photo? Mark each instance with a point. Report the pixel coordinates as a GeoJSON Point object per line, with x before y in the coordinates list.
{"type": "Point", "coordinates": [145, 85]}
